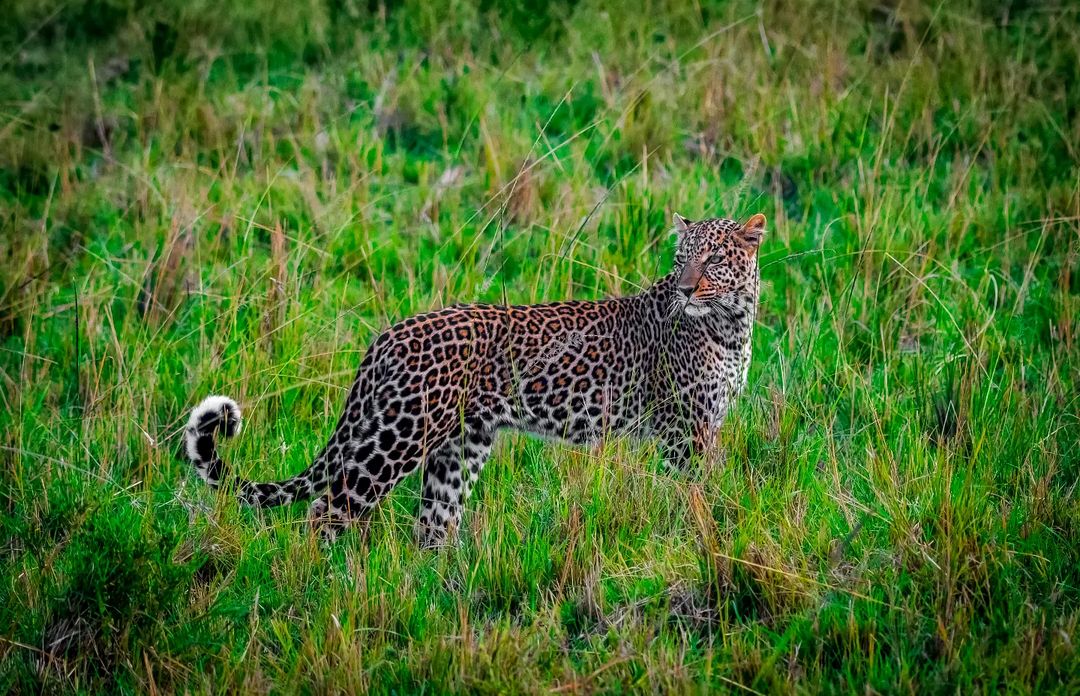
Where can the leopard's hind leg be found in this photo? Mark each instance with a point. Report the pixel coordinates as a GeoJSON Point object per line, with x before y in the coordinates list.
{"type": "Point", "coordinates": [449, 475]}
{"type": "Point", "coordinates": [385, 450]}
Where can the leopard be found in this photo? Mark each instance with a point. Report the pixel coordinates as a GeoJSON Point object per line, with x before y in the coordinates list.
{"type": "Point", "coordinates": [434, 390]}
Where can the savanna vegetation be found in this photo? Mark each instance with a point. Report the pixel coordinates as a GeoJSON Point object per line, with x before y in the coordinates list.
{"type": "Point", "coordinates": [210, 197]}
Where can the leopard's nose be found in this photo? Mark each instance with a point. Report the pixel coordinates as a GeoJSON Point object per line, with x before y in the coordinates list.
{"type": "Point", "coordinates": [686, 291]}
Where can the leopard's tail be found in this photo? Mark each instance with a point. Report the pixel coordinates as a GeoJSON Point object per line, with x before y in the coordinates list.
{"type": "Point", "coordinates": [220, 414]}
{"type": "Point", "coordinates": [216, 414]}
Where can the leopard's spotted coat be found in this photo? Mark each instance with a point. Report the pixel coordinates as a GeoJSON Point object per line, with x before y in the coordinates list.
{"type": "Point", "coordinates": [436, 388]}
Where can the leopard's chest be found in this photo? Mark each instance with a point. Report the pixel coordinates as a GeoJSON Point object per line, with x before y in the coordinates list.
{"type": "Point", "coordinates": [707, 370]}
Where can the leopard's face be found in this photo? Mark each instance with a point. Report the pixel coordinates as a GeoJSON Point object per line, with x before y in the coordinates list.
{"type": "Point", "coordinates": [715, 260]}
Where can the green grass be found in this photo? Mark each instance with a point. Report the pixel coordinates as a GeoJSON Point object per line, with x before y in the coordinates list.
{"type": "Point", "coordinates": [197, 199]}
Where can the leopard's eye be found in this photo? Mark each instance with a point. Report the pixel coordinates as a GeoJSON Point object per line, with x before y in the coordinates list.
{"type": "Point", "coordinates": [715, 258]}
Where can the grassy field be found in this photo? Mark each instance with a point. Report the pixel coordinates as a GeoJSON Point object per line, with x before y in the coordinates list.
{"type": "Point", "coordinates": [199, 198]}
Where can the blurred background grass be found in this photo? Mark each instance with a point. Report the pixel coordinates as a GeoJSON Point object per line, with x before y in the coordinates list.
{"type": "Point", "coordinates": [201, 197]}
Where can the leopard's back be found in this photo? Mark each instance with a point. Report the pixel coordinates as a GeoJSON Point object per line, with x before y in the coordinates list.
{"type": "Point", "coordinates": [564, 370]}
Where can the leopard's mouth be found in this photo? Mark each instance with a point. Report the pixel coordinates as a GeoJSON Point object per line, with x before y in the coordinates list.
{"type": "Point", "coordinates": [693, 309]}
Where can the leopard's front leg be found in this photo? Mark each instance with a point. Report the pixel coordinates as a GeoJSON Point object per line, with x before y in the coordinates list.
{"type": "Point", "coordinates": [692, 439]}
{"type": "Point", "coordinates": [693, 424]}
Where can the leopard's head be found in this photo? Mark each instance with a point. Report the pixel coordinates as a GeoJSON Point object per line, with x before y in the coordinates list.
{"type": "Point", "coordinates": [716, 262]}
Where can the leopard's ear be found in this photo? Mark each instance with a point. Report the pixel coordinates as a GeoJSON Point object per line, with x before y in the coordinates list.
{"type": "Point", "coordinates": [752, 231]}
{"type": "Point", "coordinates": [681, 224]}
